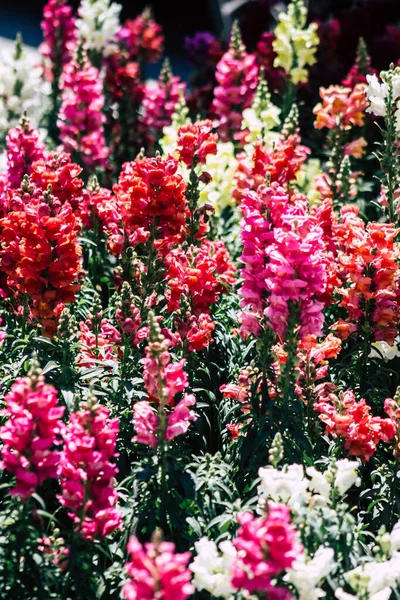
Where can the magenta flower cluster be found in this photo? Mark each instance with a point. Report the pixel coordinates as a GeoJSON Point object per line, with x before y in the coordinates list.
{"type": "Point", "coordinates": [30, 435]}
{"type": "Point", "coordinates": [81, 120]}
{"type": "Point", "coordinates": [237, 78]}
{"type": "Point", "coordinates": [156, 571]}
{"type": "Point", "coordinates": [87, 473]}
{"type": "Point", "coordinates": [158, 418]}
{"type": "Point", "coordinates": [265, 546]}
{"type": "Point", "coordinates": [24, 147]}
{"type": "Point", "coordinates": [283, 257]}
{"type": "Point", "coordinates": [59, 33]}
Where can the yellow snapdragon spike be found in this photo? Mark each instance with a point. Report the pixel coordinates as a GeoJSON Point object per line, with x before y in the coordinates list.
{"type": "Point", "coordinates": [295, 44]}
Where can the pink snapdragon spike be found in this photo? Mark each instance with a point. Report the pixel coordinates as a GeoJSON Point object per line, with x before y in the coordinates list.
{"type": "Point", "coordinates": [156, 571]}
{"type": "Point", "coordinates": [30, 435]}
{"type": "Point", "coordinates": [265, 546]}
{"type": "Point", "coordinates": [159, 103]}
{"type": "Point", "coordinates": [237, 77]}
{"type": "Point", "coordinates": [24, 147]}
{"type": "Point", "coordinates": [81, 121]}
{"type": "Point", "coordinates": [86, 472]}
{"type": "Point", "coordinates": [59, 33]}
{"type": "Point", "coordinates": [284, 262]}
{"type": "Point", "coordinates": [159, 419]}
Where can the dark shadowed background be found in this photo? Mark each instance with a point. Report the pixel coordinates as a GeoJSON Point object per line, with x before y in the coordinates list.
{"type": "Point", "coordinates": [378, 21]}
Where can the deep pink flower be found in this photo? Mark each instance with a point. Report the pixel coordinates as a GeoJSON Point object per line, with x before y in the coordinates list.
{"type": "Point", "coordinates": [24, 147]}
{"type": "Point", "coordinates": [59, 33]}
{"type": "Point", "coordinates": [237, 76]}
{"type": "Point", "coordinates": [31, 433]}
{"type": "Point", "coordinates": [146, 424]}
{"type": "Point", "coordinates": [81, 120]}
{"type": "Point", "coordinates": [265, 547]}
{"type": "Point", "coordinates": [87, 473]}
{"type": "Point", "coordinates": [178, 421]}
{"type": "Point", "coordinates": [159, 102]}
{"type": "Point", "coordinates": [157, 572]}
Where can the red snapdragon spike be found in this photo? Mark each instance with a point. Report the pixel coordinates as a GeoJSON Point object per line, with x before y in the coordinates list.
{"type": "Point", "coordinates": [57, 170]}
{"type": "Point", "coordinates": [280, 164]}
{"type": "Point", "coordinates": [142, 38]}
{"type": "Point", "coordinates": [201, 275]}
{"type": "Point", "coordinates": [40, 254]}
{"type": "Point", "coordinates": [196, 142]}
{"type": "Point", "coordinates": [155, 570]}
{"type": "Point", "coordinates": [31, 433]}
{"type": "Point", "coordinates": [367, 257]}
{"type": "Point", "coordinates": [345, 417]}
{"type": "Point", "coordinates": [87, 473]}
{"type": "Point", "coordinates": [266, 546]}
{"type": "Point", "coordinates": [150, 193]}
{"type": "Point", "coordinates": [81, 120]}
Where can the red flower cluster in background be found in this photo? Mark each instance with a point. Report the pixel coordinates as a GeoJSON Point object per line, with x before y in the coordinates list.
{"type": "Point", "coordinates": [40, 253]}
{"type": "Point", "coordinates": [351, 420]}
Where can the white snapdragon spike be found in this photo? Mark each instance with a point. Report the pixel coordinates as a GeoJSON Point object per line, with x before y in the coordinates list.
{"type": "Point", "coordinates": [384, 594]}
{"type": "Point", "coordinates": [98, 24]}
{"type": "Point", "coordinates": [346, 475]}
{"type": "Point", "coordinates": [212, 568]}
{"type": "Point", "coordinates": [22, 89]}
{"type": "Point", "coordinates": [319, 484]}
{"type": "Point", "coordinates": [306, 576]}
{"type": "Point", "coordinates": [287, 485]}
{"type": "Point", "coordinates": [375, 577]}
{"type": "Point", "coordinates": [384, 350]}
{"type": "Point", "coordinates": [376, 93]}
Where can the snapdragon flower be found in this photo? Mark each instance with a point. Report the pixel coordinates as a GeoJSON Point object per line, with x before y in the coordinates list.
{"type": "Point", "coordinates": [384, 95]}
{"type": "Point", "coordinates": [291, 486]}
{"type": "Point", "coordinates": [98, 24]}
{"type": "Point", "coordinates": [294, 44]}
{"type": "Point", "coordinates": [212, 567]}
{"type": "Point", "coordinates": [384, 351]}
{"type": "Point", "coordinates": [307, 575]}
{"type": "Point", "coordinates": [287, 485]}
{"type": "Point", "coordinates": [22, 89]}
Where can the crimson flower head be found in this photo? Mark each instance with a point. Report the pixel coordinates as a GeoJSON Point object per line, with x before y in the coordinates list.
{"type": "Point", "coordinates": [196, 142]}
{"type": "Point", "coordinates": [142, 38]}
{"type": "Point", "coordinates": [151, 194]}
